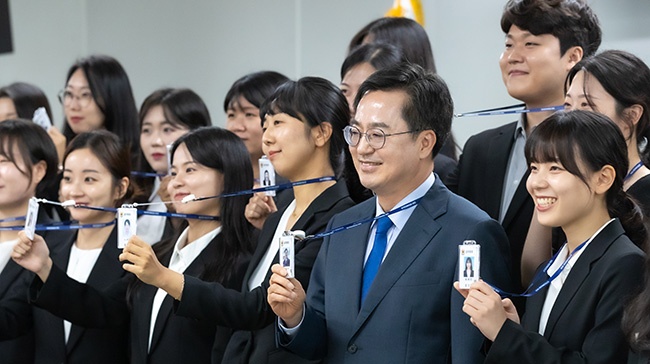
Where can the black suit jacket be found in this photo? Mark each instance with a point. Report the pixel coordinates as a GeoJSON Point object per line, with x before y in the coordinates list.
{"type": "Point", "coordinates": [85, 345]}
{"type": "Point", "coordinates": [248, 309]}
{"type": "Point", "coordinates": [584, 323]}
{"type": "Point", "coordinates": [175, 339]}
{"type": "Point", "coordinates": [16, 321]}
{"type": "Point", "coordinates": [479, 177]}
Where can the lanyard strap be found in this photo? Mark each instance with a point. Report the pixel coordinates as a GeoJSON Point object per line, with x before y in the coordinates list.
{"type": "Point", "coordinates": [147, 174]}
{"type": "Point", "coordinates": [530, 291]}
{"type": "Point", "coordinates": [279, 187]}
{"type": "Point", "coordinates": [633, 171]}
{"type": "Point", "coordinates": [507, 110]}
{"type": "Point", "coordinates": [364, 221]}
{"type": "Point", "coordinates": [67, 225]}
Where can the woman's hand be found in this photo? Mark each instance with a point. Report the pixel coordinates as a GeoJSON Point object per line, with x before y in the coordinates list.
{"type": "Point", "coordinates": [33, 255]}
{"type": "Point", "coordinates": [142, 261]}
{"type": "Point", "coordinates": [487, 311]}
{"type": "Point", "coordinates": [259, 207]}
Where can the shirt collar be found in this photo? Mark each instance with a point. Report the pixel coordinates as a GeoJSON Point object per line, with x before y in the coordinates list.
{"type": "Point", "coordinates": [564, 252]}
{"type": "Point", "coordinates": [520, 129]}
{"type": "Point", "coordinates": [399, 219]}
{"type": "Point", "coordinates": [189, 252]}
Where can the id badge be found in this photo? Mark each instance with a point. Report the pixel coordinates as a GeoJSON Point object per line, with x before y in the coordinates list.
{"type": "Point", "coordinates": [30, 218]}
{"type": "Point", "coordinates": [469, 263]}
{"type": "Point", "coordinates": [42, 119]}
{"type": "Point", "coordinates": [169, 158]}
{"type": "Point", "coordinates": [127, 224]}
{"type": "Point", "coordinates": [287, 252]}
{"type": "Point", "coordinates": [267, 174]}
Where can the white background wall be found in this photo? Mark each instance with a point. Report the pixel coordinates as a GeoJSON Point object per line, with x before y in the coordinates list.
{"type": "Point", "coordinates": [207, 44]}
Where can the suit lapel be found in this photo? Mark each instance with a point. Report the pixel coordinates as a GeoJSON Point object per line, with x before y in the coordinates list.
{"type": "Point", "coordinates": [498, 154]}
{"type": "Point", "coordinates": [407, 247]}
{"type": "Point", "coordinates": [518, 199]}
{"type": "Point", "coordinates": [262, 246]}
{"type": "Point", "coordinates": [580, 271]}
{"type": "Point", "coordinates": [195, 269]}
{"type": "Point", "coordinates": [105, 271]}
{"type": "Point", "coordinates": [8, 276]}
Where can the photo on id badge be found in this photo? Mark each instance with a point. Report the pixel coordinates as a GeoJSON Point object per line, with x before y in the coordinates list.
{"type": "Point", "coordinates": [468, 263]}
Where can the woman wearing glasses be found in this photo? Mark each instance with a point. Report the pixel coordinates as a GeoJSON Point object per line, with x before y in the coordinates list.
{"type": "Point", "coordinates": [302, 122]}
{"type": "Point", "coordinates": [98, 95]}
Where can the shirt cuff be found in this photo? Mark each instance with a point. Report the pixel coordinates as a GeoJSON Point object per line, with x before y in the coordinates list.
{"type": "Point", "coordinates": [291, 332]}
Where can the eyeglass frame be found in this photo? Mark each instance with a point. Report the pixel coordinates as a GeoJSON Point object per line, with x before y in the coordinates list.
{"type": "Point", "coordinates": [348, 136]}
{"type": "Point", "coordinates": [62, 94]}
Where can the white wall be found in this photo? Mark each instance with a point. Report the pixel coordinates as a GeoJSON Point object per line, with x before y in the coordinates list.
{"type": "Point", "coordinates": [207, 44]}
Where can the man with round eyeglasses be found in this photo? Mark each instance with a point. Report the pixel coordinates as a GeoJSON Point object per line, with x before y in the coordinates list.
{"type": "Point", "coordinates": [406, 310]}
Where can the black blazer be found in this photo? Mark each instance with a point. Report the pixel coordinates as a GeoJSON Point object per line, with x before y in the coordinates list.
{"type": "Point", "coordinates": [175, 339]}
{"type": "Point", "coordinates": [479, 177]}
{"type": "Point", "coordinates": [584, 323]}
{"type": "Point", "coordinates": [249, 310]}
{"type": "Point", "coordinates": [16, 322]}
{"type": "Point", "coordinates": [85, 345]}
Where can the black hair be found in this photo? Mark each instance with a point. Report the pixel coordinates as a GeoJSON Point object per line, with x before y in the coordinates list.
{"type": "Point", "coordinates": [314, 101]}
{"type": "Point", "coordinates": [26, 98]}
{"type": "Point", "coordinates": [254, 87]}
{"type": "Point", "coordinates": [627, 79]}
{"type": "Point", "coordinates": [108, 148]}
{"type": "Point", "coordinates": [401, 32]}
{"type": "Point", "coordinates": [34, 145]}
{"type": "Point", "coordinates": [223, 151]}
{"type": "Point", "coordinates": [182, 107]}
{"type": "Point", "coordinates": [429, 105]}
{"type": "Point", "coordinates": [111, 90]}
{"type": "Point", "coordinates": [573, 22]}
{"type": "Point", "coordinates": [378, 55]}
{"type": "Point", "coordinates": [592, 140]}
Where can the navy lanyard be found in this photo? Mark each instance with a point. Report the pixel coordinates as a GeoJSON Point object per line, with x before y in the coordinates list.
{"type": "Point", "coordinates": [12, 219]}
{"type": "Point", "coordinates": [67, 225]}
{"type": "Point", "coordinates": [152, 213]}
{"type": "Point", "coordinates": [279, 187]}
{"type": "Point", "coordinates": [633, 170]}
{"type": "Point", "coordinates": [148, 174]}
{"type": "Point", "coordinates": [530, 291]}
{"type": "Point", "coordinates": [352, 225]}
{"type": "Point", "coordinates": [506, 110]}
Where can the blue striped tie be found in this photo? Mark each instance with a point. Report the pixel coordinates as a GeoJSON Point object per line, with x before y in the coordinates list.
{"type": "Point", "coordinates": [376, 254]}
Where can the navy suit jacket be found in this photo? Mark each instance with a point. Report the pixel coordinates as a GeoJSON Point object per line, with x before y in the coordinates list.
{"type": "Point", "coordinates": [412, 313]}
{"type": "Point", "coordinates": [479, 177]}
{"type": "Point", "coordinates": [584, 325]}
{"type": "Point", "coordinates": [248, 309]}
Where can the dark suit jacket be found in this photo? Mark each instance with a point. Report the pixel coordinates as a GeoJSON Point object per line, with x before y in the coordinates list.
{"type": "Point", "coordinates": [85, 345]}
{"type": "Point", "coordinates": [584, 323]}
{"type": "Point", "coordinates": [249, 310]}
{"type": "Point", "coordinates": [175, 339]}
{"type": "Point", "coordinates": [412, 314]}
{"type": "Point", "coordinates": [479, 177]}
{"type": "Point", "coordinates": [16, 321]}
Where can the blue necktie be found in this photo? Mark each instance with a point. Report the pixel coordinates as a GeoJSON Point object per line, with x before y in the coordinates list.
{"type": "Point", "coordinates": [376, 255]}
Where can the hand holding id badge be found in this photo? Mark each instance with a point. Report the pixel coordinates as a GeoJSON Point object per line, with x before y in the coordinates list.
{"type": "Point", "coordinates": [30, 218]}
{"type": "Point", "coordinates": [287, 253]}
{"type": "Point", "coordinates": [469, 263]}
{"type": "Point", "coordinates": [127, 223]}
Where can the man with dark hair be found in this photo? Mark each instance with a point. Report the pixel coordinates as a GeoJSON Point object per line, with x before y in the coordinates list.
{"type": "Point", "coordinates": [544, 40]}
{"type": "Point", "coordinates": [382, 292]}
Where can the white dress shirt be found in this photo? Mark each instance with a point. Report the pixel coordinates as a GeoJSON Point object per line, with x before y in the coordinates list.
{"type": "Point", "coordinates": [555, 286]}
{"type": "Point", "coordinates": [80, 265]}
{"type": "Point", "coordinates": [182, 257]}
{"type": "Point", "coordinates": [263, 267]}
{"type": "Point", "coordinates": [151, 228]}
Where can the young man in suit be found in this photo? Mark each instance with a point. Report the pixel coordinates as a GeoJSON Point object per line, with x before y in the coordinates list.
{"type": "Point", "coordinates": [544, 40]}
{"type": "Point", "coordinates": [382, 292]}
